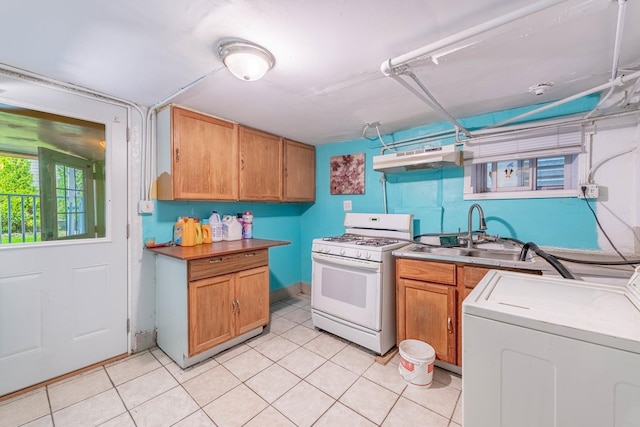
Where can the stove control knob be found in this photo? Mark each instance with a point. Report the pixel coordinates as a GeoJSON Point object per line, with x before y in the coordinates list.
{"type": "Point", "coordinates": [327, 249]}
{"type": "Point", "coordinates": [359, 254]}
{"type": "Point", "coordinates": [368, 255]}
{"type": "Point", "coordinates": [343, 251]}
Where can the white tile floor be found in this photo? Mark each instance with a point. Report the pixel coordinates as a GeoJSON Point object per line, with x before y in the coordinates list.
{"type": "Point", "coordinates": [291, 375]}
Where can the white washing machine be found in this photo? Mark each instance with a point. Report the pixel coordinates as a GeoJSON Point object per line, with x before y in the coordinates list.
{"type": "Point", "coordinates": [542, 352]}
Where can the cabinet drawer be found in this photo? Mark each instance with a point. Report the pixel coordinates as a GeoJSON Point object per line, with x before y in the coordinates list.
{"type": "Point", "coordinates": [214, 266]}
{"type": "Point", "coordinates": [472, 275]}
{"type": "Point", "coordinates": [436, 272]}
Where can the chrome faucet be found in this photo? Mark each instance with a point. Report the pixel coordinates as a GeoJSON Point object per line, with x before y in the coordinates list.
{"type": "Point", "coordinates": [483, 224]}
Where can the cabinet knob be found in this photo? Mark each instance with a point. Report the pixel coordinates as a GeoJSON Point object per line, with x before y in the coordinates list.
{"type": "Point", "coordinates": [241, 164]}
{"type": "Point", "coordinates": [177, 154]}
{"type": "Point", "coordinates": [449, 325]}
{"type": "Point", "coordinates": [286, 173]}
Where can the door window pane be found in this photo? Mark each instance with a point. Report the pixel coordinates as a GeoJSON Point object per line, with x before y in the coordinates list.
{"type": "Point", "coordinates": [48, 164]}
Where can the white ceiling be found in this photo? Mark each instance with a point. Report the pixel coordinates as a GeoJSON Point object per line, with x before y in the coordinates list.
{"type": "Point", "coordinates": [326, 84]}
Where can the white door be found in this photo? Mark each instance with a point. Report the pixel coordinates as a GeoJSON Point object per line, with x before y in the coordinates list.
{"type": "Point", "coordinates": [63, 300]}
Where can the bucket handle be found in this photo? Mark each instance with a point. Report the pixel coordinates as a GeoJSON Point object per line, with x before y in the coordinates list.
{"type": "Point", "coordinates": [412, 376]}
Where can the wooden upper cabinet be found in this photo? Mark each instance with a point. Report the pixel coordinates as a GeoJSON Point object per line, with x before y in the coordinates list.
{"type": "Point", "coordinates": [197, 156]}
{"type": "Point", "coordinates": [299, 172]}
{"type": "Point", "coordinates": [260, 165]}
{"type": "Point", "coordinates": [200, 157]}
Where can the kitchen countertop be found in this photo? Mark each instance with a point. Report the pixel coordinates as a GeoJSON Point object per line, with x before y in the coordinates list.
{"type": "Point", "coordinates": [407, 252]}
{"type": "Point", "coordinates": [207, 250]}
{"type": "Point", "coordinates": [594, 273]}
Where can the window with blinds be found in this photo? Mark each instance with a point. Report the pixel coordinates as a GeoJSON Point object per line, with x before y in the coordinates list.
{"type": "Point", "coordinates": [543, 163]}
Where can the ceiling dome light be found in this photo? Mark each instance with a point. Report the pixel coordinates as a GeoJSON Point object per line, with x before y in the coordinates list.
{"type": "Point", "coordinates": [247, 61]}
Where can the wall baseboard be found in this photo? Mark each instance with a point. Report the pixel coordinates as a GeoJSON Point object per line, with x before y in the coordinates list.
{"type": "Point", "coordinates": [289, 292]}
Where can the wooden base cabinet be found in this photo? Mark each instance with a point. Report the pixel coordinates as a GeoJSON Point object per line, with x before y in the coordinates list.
{"type": "Point", "coordinates": [426, 308]}
{"type": "Point", "coordinates": [205, 306]}
{"type": "Point", "coordinates": [429, 297]}
{"type": "Point", "coordinates": [223, 307]}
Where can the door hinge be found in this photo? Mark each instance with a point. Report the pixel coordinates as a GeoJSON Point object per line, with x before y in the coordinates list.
{"type": "Point", "coordinates": [128, 325]}
{"type": "Point", "coordinates": [128, 231]}
{"type": "Point", "coordinates": [128, 134]}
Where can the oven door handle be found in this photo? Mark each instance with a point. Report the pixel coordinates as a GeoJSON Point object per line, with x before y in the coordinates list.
{"type": "Point", "coordinates": [347, 262]}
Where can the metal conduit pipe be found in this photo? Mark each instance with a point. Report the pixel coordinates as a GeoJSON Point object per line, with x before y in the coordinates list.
{"type": "Point", "coordinates": [389, 65]}
{"type": "Point", "coordinates": [619, 81]}
{"type": "Point", "coordinates": [418, 139]}
{"type": "Point", "coordinates": [86, 93]}
{"type": "Point", "coordinates": [606, 159]}
{"type": "Point", "coordinates": [426, 96]}
{"type": "Point", "coordinates": [622, 4]}
{"type": "Point", "coordinates": [151, 112]}
{"type": "Point", "coordinates": [436, 105]}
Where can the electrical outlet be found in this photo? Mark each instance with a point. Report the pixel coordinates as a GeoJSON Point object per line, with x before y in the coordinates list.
{"type": "Point", "coordinates": [346, 205]}
{"type": "Point", "coordinates": [145, 206]}
{"type": "Point", "coordinates": [588, 191]}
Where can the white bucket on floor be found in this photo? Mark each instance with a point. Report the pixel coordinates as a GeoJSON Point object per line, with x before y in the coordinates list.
{"type": "Point", "coordinates": [416, 362]}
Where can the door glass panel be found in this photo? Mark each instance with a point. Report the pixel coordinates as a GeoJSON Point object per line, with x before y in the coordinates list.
{"type": "Point", "coordinates": [52, 182]}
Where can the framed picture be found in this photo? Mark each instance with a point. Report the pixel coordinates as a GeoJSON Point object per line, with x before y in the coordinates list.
{"type": "Point", "coordinates": [347, 174]}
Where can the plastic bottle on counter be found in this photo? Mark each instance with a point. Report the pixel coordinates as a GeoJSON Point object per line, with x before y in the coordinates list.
{"type": "Point", "coordinates": [196, 222]}
{"type": "Point", "coordinates": [247, 225]}
{"type": "Point", "coordinates": [188, 232]}
{"type": "Point", "coordinates": [216, 227]}
{"type": "Point", "coordinates": [206, 232]}
{"type": "Point", "coordinates": [177, 231]}
{"type": "Point", "coordinates": [231, 228]}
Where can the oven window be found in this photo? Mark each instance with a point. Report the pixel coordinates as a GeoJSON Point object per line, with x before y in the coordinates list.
{"type": "Point", "coordinates": [345, 286]}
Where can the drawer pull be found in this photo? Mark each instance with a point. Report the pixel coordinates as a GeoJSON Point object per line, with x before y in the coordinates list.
{"type": "Point", "coordinates": [238, 305]}
{"type": "Point", "coordinates": [250, 254]}
{"type": "Point", "coordinates": [214, 260]}
{"type": "Point", "coordinates": [449, 325]}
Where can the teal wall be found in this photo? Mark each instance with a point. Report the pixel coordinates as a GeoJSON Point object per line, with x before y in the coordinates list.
{"type": "Point", "coordinates": [434, 197]}
{"type": "Point", "coordinates": [270, 221]}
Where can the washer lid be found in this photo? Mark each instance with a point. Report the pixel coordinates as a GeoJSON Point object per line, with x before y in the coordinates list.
{"type": "Point", "coordinates": [602, 314]}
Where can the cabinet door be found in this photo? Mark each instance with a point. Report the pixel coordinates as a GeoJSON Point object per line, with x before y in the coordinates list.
{"type": "Point", "coordinates": [428, 313]}
{"type": "Point", "coordinates": [260, 165]}
{"type": "Point", "coordinates": [210, 310]}
{"type": "Point", "coordinates": [251, 299]}
{"type": "Point", "coordinates": [299, 172]}
{"type": "Point", "coordinates": [205, 157]}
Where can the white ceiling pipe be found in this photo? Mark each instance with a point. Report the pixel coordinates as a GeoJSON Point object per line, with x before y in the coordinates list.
{"type": "Point", "coordinates": [620, 81]}
{"type": "Point", "coordinates": [388, 66]}
{"type": "Point", "coordinates": [616, 54]}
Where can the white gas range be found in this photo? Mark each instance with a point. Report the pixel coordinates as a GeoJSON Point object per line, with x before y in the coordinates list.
{"type": "Point", "coordinates": [353, 279]}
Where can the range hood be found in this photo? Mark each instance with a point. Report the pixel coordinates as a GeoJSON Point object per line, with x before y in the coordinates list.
{"type": "Point", "coordinates": [423, 158]}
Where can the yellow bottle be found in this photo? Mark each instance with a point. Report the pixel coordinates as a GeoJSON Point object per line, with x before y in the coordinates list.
{"type": "Point", "coordinates": [206, 232]}
{"type": "Point", "coordinates": [198, 231]}
{"type": "Point", "coordinates": [189, 232]}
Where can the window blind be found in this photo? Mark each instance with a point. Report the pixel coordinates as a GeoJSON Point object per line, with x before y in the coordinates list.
{"type": "Point", "coordinates": [556, 141]}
